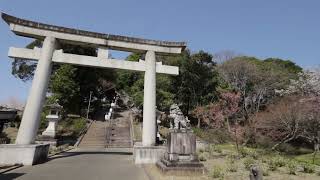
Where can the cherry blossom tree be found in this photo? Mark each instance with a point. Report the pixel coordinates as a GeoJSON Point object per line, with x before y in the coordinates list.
{"type": "Point", "coordinates": [293, 117]}
{"type": "Point", "coordinates": [308, 83]}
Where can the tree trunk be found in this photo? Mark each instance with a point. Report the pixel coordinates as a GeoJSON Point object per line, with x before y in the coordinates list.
{"type": "Point", "coordinates": [285, 140]}
{"type": "Point", "coordinates": [316, 149]}
{"type": "Point", "coordinates": [236, 137]}
{"type": "Point", "coordinates": [228, 125]}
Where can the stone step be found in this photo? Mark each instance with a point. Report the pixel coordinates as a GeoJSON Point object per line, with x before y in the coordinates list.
{"type": "Point", "coordinates": [94, 141]}
{"type": "Point", "coordinates": [118, 139]}
{"type": "Point", "coordinates": [98, 143]}
{"type": "Point", "coordinates": [119, 146]}
{"type": "Point", "coordinates": [87, 145]}
{"type": "Point", "coordinates": [114, 133]}
{"type": "Point", "coordinates": [92, 147]}
{"type": "Point", "coordinates": [101, 136]}
{"type": "Point", "coordinates": [92, 144]}
{"type": "Point", "coordinates": [95, 136]}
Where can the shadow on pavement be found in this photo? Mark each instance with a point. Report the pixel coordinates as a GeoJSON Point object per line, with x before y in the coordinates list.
{"type": "Point", "coordinates": [71, 154]}
{"type": "Point", "coordinates": [10, 176]}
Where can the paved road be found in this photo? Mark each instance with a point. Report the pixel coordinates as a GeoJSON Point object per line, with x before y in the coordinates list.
{"type": "Point", "coordinates": [82, 164]}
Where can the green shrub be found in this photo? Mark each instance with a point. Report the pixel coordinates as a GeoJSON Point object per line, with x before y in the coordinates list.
{"type": "Point", "coordinates": [264, 160]}
{"type": "Point", "coordinates": [217, 149]}
{"type": "Point", "coordinates": [318, 173]}
{"type": "Point", "coordinates": [248, 162]}
{"type": "Point", "coordinates": [292, 167]}
{"type": "Point", "coordinates": [201, 150]}
{"type": "Point", "coordinates": [211, 148]}
{"type": "Point", "coordinates": [232, 167]}
{"type": "Point", "coordinates": [78, 125]}
{"type": "Point", "coordinates": [232, 158]}
{"type": "Point", "coordinates": [308, 168]}
{"type": "Point", "coordinates": [265, 170]}
{"type": "Point", "coordinates": [253, 153]}
{"type": "Point", "coordinates": [243, 152]}
{"type": "Point", "coordinates": [279, 161]}
{"type": "Point", "coordinates": [216, 172]}
{"type": "Point", "coordinates": [272, 165]}
{"type": "Point", "coordinates": [43, 121]}
{"type": "Point", "coordinates": [203, 156]}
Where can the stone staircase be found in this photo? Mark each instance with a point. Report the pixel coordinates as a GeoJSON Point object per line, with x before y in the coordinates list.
{"type": "Point", "coordinates": [95, 136]}
{"type": "Point", "coordinates": [118, 130]}
{"type": "Point", "coordinates": [115, 133]}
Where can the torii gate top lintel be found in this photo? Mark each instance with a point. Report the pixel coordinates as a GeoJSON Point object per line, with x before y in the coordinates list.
{"type": "Point", "coordinates": [38, 30]}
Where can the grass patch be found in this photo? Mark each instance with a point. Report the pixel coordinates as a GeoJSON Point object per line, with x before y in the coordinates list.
{"type": "Point", "coordinates": [215, 136]}
{"type": "Point", "coordinates": [248, 162]}
{"type": "Point", "coordinates": [216, 172]}
{"type": "Point", "coordinates": [308, 168]}
{"type": "Point", "coordinates": [307, 158]}
{"type": "Point", "coordinates": [292, 167]}
{"type": "Point", "coordinates": [71, 126]}
{"type": "Point", "coordinates": [265, 170]}
{"type": "Point", "coordinates": [232, 166]}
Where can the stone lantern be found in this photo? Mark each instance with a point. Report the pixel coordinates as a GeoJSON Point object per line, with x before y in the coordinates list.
{"type": "Point", "coordinates": [53, 117]}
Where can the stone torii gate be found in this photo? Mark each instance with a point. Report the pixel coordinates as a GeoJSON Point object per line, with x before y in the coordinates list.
{"type": "Point", "coordinates": [50, 52]}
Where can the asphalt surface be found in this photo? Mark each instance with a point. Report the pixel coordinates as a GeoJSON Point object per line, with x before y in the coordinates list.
{"type": "Point", "coordinates": [83, 164]}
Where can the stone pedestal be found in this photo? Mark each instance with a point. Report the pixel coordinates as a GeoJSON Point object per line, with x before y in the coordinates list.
{"type": "Point", "coordinates": [181, 146]}
{"type": "Point", "coordinates": [52, 126]}
{"type": "Point", "coordinates": [180, 156]}
{"type": "Point", "coordinates": [53, 117]}
{"type": "Point", "coordinates": [147, 154]}
{"type": "Point", "coordinates": [30, 154]}
{"type": "Point", "coordinates": [43, 139]}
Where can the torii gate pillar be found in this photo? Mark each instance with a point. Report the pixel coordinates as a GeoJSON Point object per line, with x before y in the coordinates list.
{"type": "Point", "coordinates": [149, 101]}
{"type": "Point", "coordinates": [31, 116]}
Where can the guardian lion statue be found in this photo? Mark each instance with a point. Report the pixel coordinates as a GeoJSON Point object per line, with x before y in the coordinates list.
{"type": "Point", "coordinates": [178, 120]}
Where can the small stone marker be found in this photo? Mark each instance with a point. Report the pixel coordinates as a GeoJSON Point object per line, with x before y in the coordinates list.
{"type": "Point", "coordinates": [255, 173]}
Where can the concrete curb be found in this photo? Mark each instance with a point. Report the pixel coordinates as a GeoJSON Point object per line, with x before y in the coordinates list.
{"type": "Point", "coordinates": [19, 166]}
{"type": "Point", "coordinates": [57, 153]}
{"type": "Point", "coordinates": [10, 169]}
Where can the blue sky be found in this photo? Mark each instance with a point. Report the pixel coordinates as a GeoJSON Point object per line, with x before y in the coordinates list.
{"type": "Point", "coordinates": [288, 29]}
